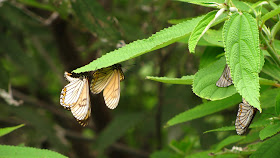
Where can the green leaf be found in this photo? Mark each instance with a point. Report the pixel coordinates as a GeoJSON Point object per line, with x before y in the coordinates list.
{"type": "Point", "coordinates": [4, 131]}
{"type": "Point", "coordinates": [202, 41]}
{"type": "Point", "coordinates": [137, 48]}
{"type": "Point", "coordinates": [277, 44]}
{"type": "Point", "coordinates": [268, 97]}
{"type": "Point", "coordinates": [241, 39]}
{"type": "Point", "coordinates": [206, 3]}
{"type": "Point", "coordinates": [199, 30]}
{"type": "Point", "coordinates": [277, 107]}
{"type": "Point", "coordinates": [257, 124]}
{"type": "Point", "coordinates": [200, 154]}
{"type": "Point", "coordinates": [187, 80]}
{"type": "Point", "coordinates": [209, 3]}
{"type": "Point", "coordinates": [204, 110]}
{"type": "Point", "coordinates": [204, 84]}
{"type": "Point", "coordinates": [117, 128]}
{"type": "Point", "coordinates": [264, 81]}
{"type": "Point", "coordinates": [270, 130]}
{"type": "Point", "coordinates": [36, 4]}
{"type": "Point", "coordinates": [229, 140]}
{"type": "Point", "coordinates": [270, 14]}
{"type": "Point", "coordinates": [23, 152]}
{"type": "Point", "coordinates": [214, 37]}
{"type": "Point", "coordinates": [269, 148]}
{"type": "Point", "coordinates": [222, 129]}
{"type": "Point", "coordinates": [271, 70]}
{"type": "Point", "coordinates": [243, 6]}
{"type": "Point", "coordinates": [210, 55]}
{"type": "Point", "coordinates": [250, 138]}
{"type": "Point", "coordinates": [260, 123]}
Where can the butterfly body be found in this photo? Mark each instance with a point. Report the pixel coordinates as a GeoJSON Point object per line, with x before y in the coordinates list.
{"type": "Point", "coordinates": [108, 79]}
{"type": "Point", "coordinates": [75, 97]}
{"type": "Point", "coordinates": [244, 117]}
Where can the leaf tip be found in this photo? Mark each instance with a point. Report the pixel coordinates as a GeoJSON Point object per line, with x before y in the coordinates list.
{"type": "Point", "coordinates": [166, 125]}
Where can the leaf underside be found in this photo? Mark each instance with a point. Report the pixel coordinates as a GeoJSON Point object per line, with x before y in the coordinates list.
{"type": "Point", "coordinates": [160, 39]}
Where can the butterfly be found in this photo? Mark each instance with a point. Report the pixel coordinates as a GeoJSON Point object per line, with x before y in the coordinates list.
{"type": "Point", "coordinates": [75, 97]}
{"type": "Point", "coordinates": [109, 79]}
{"type": "Point", "coordinates": [244, 117]}
{"type": "Point", "coordinates": [225, 79]}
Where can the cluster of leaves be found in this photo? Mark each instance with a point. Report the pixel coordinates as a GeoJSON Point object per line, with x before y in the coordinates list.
{"type": "Point", "coordinates": [251, 51]}
{"type": "Point", "coordinates": [240, 38]}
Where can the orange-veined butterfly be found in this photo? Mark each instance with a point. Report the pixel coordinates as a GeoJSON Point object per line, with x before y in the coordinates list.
{"type": "Point", "coordinates": [109, 79]}
{"type": "Point", "coordinates": [225, 79]}
{"type": "Point", "coordinates": [244, 117]}
{"type": "Point", "coordinates": [75, 97]}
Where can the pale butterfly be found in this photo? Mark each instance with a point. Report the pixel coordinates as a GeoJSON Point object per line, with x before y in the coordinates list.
{"type": "Point", "coordinates": [244, 117]}
{"type": "Point", "coordinates": [75, 97]}
{"type": "Point", "coordinates": [109, 79]}
{"type": "Point", "coordinates": [225, 79]}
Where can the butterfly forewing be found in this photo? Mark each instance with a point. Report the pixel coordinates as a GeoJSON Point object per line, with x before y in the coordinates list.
{"type": "Point", "coordinates": [111, 92]}
{"type": "Point", "coordinates": [71, 92]}
{"type": "Point", "coordinates": [225, 79]}
{"type": "Point", "coordinates": [244, 117]}
{"type": "Point", "coordinates": [100, 80]}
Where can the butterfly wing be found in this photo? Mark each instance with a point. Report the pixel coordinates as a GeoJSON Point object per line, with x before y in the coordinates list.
{"type": "Point", "coordinates": [82, 110]}
{"type": "Point", "coordinates": [111, 92]}
{"type": "Point", "coordinates": [100, 79]}
{"type": "Point", "coordinates": [245, 115]}
{"type": "Point", "coordinates": [225, 79]}
{"type": "Point", "coordinates": [71, 92]}
{"type": "Point", "coordinates": [108, 79]}
{"type": "Point", "coordinates": [85, 121]}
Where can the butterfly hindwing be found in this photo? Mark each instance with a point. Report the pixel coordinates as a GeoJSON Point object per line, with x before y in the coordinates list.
{"type": "Point", "coordinates": [111, 92]}
{"type": "Point", "coordinates": [85, 121]}
{"type": "Point", "coordinates": [244, 117]}
{"type": "Point", "coordinates": [225, 79]}
{"type": "Point", "coordinates": [82, 107]}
